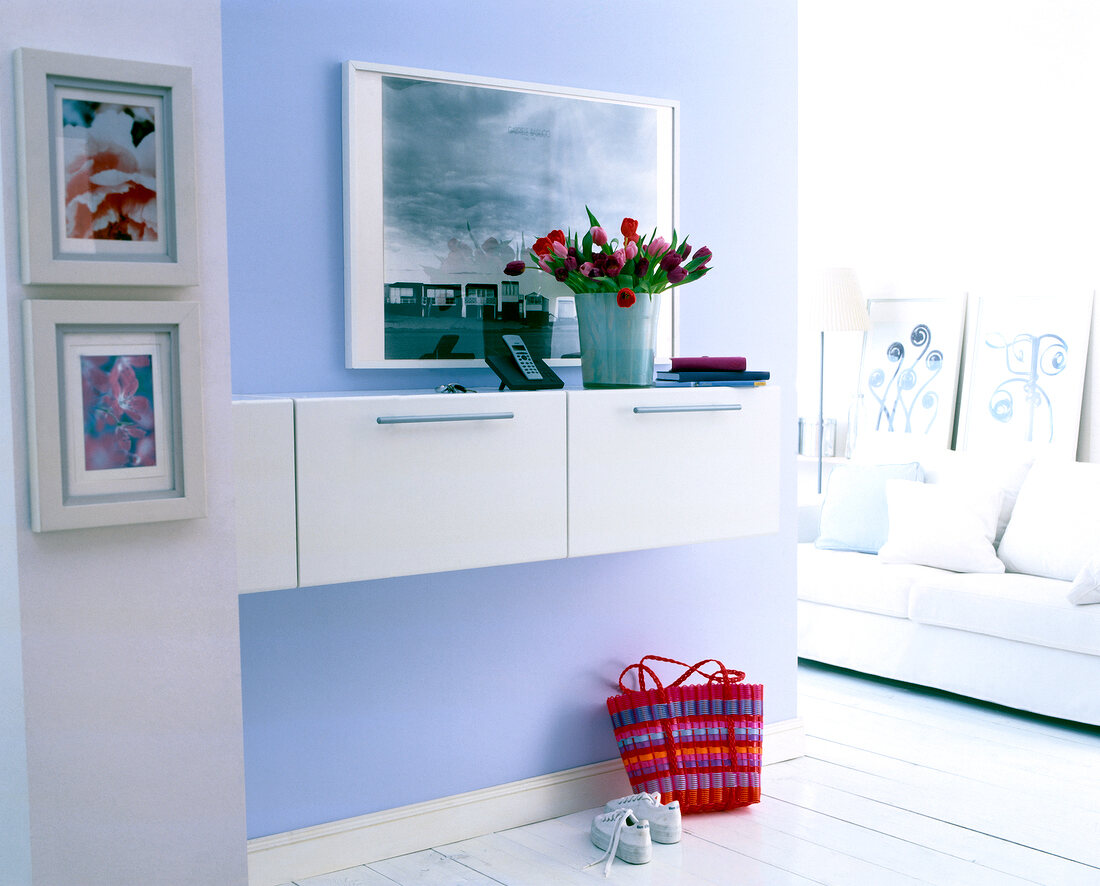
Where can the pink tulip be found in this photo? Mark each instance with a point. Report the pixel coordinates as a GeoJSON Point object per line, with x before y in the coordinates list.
{"type": "Point", "coordinates": [599, 236]}
{"type": "Point", "coordinates": [559, 249]}
{"type": "Point", "coordinates": [631, 250]}
{"type": "Point", "coordinates": [657, 246]}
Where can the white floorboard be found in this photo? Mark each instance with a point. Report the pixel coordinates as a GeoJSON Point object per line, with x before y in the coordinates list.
{"type": "Point", "coordinates": [899, 786]}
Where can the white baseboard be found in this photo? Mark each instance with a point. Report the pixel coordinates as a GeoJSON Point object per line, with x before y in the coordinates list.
{"type": "Point", "coordinates": [281, 858]}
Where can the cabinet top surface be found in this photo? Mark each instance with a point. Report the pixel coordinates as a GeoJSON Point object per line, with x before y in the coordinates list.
{"type": "Point", "coordinates": [661, 390]}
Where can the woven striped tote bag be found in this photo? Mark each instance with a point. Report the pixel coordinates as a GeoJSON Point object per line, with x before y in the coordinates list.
{"type": "Point", "coordinates": [699, 743]}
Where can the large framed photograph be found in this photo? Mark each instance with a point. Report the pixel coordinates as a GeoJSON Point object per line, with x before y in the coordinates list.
{"type": "Point", "coordinates": [1025, 373]}
{"type": "Point", "coordinates": [909, 372]}
{"type": "Point", "coordinates": [114, 400]}
{"type": "Point", "coordinates": [448, 177]}
{"type": "Point", "coordinates": [106, 165]}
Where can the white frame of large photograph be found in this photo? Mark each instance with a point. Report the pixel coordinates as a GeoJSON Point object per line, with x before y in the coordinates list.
{"type": "Point", "coordinates": [365, 227]}
{"type": "Point", "coordinates": [138, 119]}
{"type": "Point", "coordinates": [909, 371]}
{"type": "Point", "coordinates": [109, 445]}
{"type": "Point", "coordinates": [1025, 371]}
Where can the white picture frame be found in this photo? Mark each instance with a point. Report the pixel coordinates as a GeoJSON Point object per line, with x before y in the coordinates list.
{"type": "Point", "coordinates": [495, 128]}
{"type": "Point", "coordinates": [1024, 374]}
{"type": "Point", "coordinates": [114, 412]}
{"type": "Point", "coordinates": [909, 371]}
{"type": "Point", "coordinates": [106, 167]}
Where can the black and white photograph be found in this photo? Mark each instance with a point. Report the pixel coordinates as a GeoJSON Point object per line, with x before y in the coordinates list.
{"type": "Point", "coordinates": [472, 174]}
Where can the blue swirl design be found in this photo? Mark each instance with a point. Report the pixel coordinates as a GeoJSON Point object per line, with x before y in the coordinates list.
{"type": "Point", "coordinates": [906, 392]}
{"type": "Point", "coordinates": [1027, 359]}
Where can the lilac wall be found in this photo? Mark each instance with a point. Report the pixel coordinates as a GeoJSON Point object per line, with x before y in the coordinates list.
{"type": "Point", "coordinates": [365, 696]}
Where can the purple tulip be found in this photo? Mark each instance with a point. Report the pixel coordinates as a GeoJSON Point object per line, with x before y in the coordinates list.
{"type": "Point", "coordinates": [702, 253]}
{"type": "Point", "coordinates": [560, 273]}
{"type": "Point", "coordinates": [571, 262]}
{"type": "Point", "coordinates": [670, 260]}
{"type": "Point", "coordinates": [514, 268]}
{"type": "Point", "coordinates": [676, 274]}
{"type": "Point", "coordinates": [641, 266]}
{"type": "Point", "coordinates": [614, 263]}
{"type": "Point", "coordinates": [685, 250]}
{"type": "Point", "coordinates": [590, 270]}
{"type": "Point", "coordinates": [599, 236]}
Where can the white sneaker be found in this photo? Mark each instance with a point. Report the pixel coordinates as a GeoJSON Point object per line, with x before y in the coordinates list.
{"type": "Point", "coordinates": [621, 835]}
{"type": "Point", "coordinates": [665, 823]}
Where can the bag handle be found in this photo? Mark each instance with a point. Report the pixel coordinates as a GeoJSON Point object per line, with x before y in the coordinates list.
{"type": "Point", "coordinates": [723, 673]}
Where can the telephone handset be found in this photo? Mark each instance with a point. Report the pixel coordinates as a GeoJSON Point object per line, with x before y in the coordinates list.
{"type": "Point", "coordinates": [518, 368]}
{"type": "Point", "coordinates": [523, 357]}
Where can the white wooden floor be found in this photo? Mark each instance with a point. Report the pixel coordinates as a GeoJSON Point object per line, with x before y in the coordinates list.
{"type": "Point", "coordinates": [899, 786]}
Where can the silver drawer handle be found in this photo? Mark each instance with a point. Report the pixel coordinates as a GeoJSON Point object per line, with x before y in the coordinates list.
{"type": "Point", "coordinates": [712, 407]}
{"type": "Point", "coordinates": [468, 416]}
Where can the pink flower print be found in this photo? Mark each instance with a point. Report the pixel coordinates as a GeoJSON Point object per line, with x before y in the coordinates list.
{"type": "Point", "coordinates": [119, 425]}
{"type": "Point", "coordinates": [110, 172]}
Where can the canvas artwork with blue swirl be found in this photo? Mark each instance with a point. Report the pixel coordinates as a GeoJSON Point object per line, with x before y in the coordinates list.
{"type": "Point", "coordinates": [910, 368]}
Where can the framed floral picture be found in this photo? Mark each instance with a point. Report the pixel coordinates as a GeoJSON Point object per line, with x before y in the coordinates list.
{"type": "Point", "coordinates": [449, 177]}
{"type": "Point", "coordinates": [114, 412]}
{"type": "Point", "coordinates": [106, 171]}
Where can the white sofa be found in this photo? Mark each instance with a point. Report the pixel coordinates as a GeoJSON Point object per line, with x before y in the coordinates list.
{"type": "Point", "coordinates": [970, 591]}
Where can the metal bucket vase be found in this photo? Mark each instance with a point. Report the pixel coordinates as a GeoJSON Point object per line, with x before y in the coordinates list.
{"type": "Point", "coordinates": [617, 344]}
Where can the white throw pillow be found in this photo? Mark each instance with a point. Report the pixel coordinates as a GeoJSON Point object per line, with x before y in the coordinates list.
{"type": "Point", "coordinates": [1086, 587]}
{"type": "Point", "coordinates": [1007, 469]}
{"type": "Point", "coordinates": [1055, 524]}
{"type": "Point", "coordinates": [942, 525]}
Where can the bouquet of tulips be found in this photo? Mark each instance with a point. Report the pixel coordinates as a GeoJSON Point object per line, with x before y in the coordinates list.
{"type": "Point", "coordinates": [596, 262]}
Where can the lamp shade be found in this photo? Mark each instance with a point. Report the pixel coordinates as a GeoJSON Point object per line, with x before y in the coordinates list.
{"type": "Point", "coordinates": [839, 306]}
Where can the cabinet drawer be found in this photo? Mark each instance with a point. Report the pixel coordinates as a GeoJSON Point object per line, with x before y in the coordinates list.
{"type": "Point", "coordinates": [657, 467]}
{"type": "Point", "coordinates": [397, 485]}
{"type": "Point", "coordinates": [263, 473]}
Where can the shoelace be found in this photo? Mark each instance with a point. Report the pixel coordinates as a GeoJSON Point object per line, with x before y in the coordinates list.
{"type": "Point", "coordinates": [619, 818]}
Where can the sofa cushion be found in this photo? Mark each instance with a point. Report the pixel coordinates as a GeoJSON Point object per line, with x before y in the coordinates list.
{"type": "Point", "coordinates": [1003, 470]}
{"type": "Point", "coordinates": [1006, 467]}
{"type": "Point", "coordinates": [853, 514]}
{"type": "Point", "coordinates": [1086, 586]}
{"type": "Point", "coordinates": [1055, 525]}
{"type": "Point", "coordinates": [1024, 608]}
{"type": "Point", "coordinates": [949, 526]}
{"type": "Point", "coordinates": [852, 580]}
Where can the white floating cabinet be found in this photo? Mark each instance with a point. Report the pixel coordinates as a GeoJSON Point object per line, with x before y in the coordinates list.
{"type": "Point", "coordinates": [335, 488]}
{"type": "Point", "coordinates": [659, 466]}
{"type": "Point", "coordinates": [404, 484]}
{"type": "Point", "coordinates": [263, 471]}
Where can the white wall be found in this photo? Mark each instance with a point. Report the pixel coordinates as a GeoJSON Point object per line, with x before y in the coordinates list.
{"type": "Point", "coordinates": [130, 641]}
{"type": "Point", "coordinates": [15, 838]}
{"type": "Point", "coordinates": [947, 147]}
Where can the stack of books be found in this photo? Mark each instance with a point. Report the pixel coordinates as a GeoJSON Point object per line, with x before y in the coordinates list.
{"type": "Point", "coordinates": [720, 371]}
